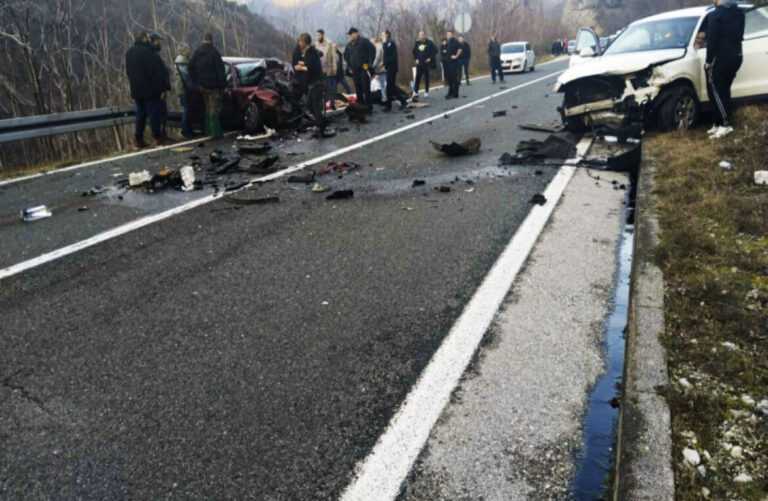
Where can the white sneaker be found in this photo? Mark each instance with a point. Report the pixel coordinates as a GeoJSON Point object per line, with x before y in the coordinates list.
{"type": "Point", "coordinates": [426, 94]}
{"type": "Point", "coordinates": [713, 130]}
{"type": "Point", "coordinates": [721, 132]}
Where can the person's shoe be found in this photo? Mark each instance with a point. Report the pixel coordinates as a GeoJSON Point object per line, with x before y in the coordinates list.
{"type": "Point", "coordinates": [721, 132]}
{"type": "Point", "coordinates": [426, 95]}
{"type": "Point", "coordinates": [403, 104]}
{"type": "Point", "coordinates": [140, 144]}
{"type": "Point", "coordinates": [713, 129]}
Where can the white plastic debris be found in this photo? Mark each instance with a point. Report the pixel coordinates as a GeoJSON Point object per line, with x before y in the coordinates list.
{"type": "Point", "coordinates": [761, 177]}
{"type": "Point", "coordinates": [725, 165]}
{"type": "Point", "coordinates": [747, 400]}
{"type": "Point", "coordinates": [691, 457]}
{"type": "Point", "coordinates": [742, 478]}
{"type": "Point", "coordinates": [36, 213]}
{"type": "Point", "coordinates": [139, 178]}
{"type": "Point", "coordinates": [269, 133]}
{"type": "Point", "coordinates": [187, 178]}
{"type": "Point", "coordinates": [611, 139]}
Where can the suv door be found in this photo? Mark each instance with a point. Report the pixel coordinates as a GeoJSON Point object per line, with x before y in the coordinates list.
{"type": "Point", "coordinates": [587, 46]}
{"type": "Point", "coordinates": [752, 78]}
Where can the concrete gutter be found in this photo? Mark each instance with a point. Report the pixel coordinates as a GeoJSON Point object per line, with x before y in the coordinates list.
{"type": "Point", "coordinates": [644, 442]}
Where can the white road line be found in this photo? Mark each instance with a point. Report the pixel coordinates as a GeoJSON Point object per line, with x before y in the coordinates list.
{"type": "Point", "coordinates": [103, 161]}
{"type": "Point", "coordinates": [381, 474]}
{"type": "Point", "coordinates": [145, 221]}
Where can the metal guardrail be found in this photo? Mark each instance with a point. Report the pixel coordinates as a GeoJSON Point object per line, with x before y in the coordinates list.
{"type": "Point", "coordinates": [17, 129]}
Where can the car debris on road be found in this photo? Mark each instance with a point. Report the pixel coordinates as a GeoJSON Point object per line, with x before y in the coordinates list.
{"type": "Point", "coordinates": [35, 213]}
{"type": "Point", "coordinates": [341, 195]}
{"type": "Point", "coordinates": [470, 146]}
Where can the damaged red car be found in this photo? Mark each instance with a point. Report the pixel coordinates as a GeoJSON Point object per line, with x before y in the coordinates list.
{"type": "Point", "coordinates": [258, 95]}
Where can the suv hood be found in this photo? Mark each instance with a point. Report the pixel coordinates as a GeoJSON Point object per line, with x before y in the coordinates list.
{"type": "Point", "coordinates": [619, 64]}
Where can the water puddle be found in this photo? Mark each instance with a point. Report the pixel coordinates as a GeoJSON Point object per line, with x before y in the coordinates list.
{"type": "Point", "coordinates": [596, 459]}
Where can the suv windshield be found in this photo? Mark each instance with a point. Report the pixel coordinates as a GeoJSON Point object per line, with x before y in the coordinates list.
{"type": "Point", "coordinates": [250, 74]}
{"type": "Point", "coordinates": [512, 49]}
{"type": "Point", "coordinates": [655, 35]}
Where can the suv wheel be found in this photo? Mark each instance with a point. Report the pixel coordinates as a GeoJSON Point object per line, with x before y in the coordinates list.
{"type": "Point", "coordinates": [254, 119]}
{"type": "Point", "coordinates": [679, 109]}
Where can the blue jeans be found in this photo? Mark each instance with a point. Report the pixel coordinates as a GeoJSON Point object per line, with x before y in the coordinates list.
{"type": "Point", "coordinates": [186, 130]}
{"type": "Point", "coordinates": [152, 109]}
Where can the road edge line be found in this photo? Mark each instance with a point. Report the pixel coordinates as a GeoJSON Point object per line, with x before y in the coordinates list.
{"type": "Point", "coordinates": [380, 475]}
{"type": "Point", "coordinates": [151, 219]}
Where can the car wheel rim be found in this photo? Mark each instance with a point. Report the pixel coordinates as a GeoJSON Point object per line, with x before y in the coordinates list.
{"type": "Point", "coordinates": [685, 112]}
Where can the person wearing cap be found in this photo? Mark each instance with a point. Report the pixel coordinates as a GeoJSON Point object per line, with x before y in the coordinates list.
{"type": "Point", "coordinates": [207, 71]}
{"type": "Point", "coordinates": [360, 54]}
{"type": "Point", "coordinates": [147, 76]}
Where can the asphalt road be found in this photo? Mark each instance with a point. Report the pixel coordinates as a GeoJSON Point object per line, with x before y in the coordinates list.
{"type": "Point", "coordinates": [247, 351]}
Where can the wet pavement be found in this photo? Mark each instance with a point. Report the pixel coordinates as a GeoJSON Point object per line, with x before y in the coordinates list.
{"type": "Point", "coordinates": [237, 351]}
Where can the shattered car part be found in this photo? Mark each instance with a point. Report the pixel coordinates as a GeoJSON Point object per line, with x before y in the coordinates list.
{"type": "Point", "coordinates": [138, 178]}
{"type": "Point", "coordinates": [617, 157]}
{"type": "Point", "coordinates": [341, 195]}
{"type": "Point", "coordinates": [252, 201]}
{"type": "Point", "coordinates": [228, 165]}
{"type": "Point", "coordinates": [187, 178]}
{"type": "Point", "coordinates": [470, 146]}
{"type": "Point", "coordinates": [319, 188]}
{"type": "Point", "coordinates": [418, 182]}
{"type": "Point", "coordinates": [339, 168]}
{"type": "Point", "coordinates": [263, 166]}
{"type": "Point", "coordinates": [253, 148]}
{"type": "Point", "coordinates": [551, 128]}
{"type": "Point", "coordinates": [538, 199]}
{"type": "Point", "coordinates": [500, 113]}
{"type": "Point", "coordinates": [307, 178]}
{"type": "Point", "coordinates": [35, 213]}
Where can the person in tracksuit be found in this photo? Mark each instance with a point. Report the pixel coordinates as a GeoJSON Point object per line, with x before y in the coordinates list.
{"type": "Point", "coordinates": [360, 54]}
{"type": "Point", "coordinates": [725, 33]}
{"type": "Point", "coordinates": [425, 54]}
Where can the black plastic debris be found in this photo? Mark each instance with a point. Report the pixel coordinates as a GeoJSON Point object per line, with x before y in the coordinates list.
{"type": "Point", "coordinates": [555, 149]}
{"type": "Point", "coordinates": [263, 166]}
{"type": "Point", "coordinates": [470, 146]}
{"type": "Point", "coordinates": [306, 178]}
{"type": "Point", "coordinates": [254, 148]}
{"type": "Point", "coordinates": [507, 159]}
{"type": "Point", "coordinates": [500, 113]}
{"type": "Point", "coordinates": [227, 165]}
{"type": "Point", "coordinates": [341, 195]}
{"type": "Point", "coordinates": [538, 199]}
{"type": "Point", "coordinates": [201, 145]}
{"type": "Point", "coordinates": [538, 173]}
{"type": "Point", "coordinates": [217, 157]}
{"type": "Point", "coordinates": [418, 182]}
{"type": "Point", "coordinates": [96, 190]}
{"type": "Point", "coordinates": [83, 209]}
{"type": "Point", "coordinates": [410, 117]}
{"type": "Point", "coordinates": [443, 189]}
{"type": "Point", "coordinates": [357, 112]}
{"type": "Point", "coordinates": [236, 186]}
{"type": "Point", "coordinates": [253, 201]}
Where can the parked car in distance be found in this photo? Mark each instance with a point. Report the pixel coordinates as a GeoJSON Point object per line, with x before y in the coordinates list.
{"type": "Point", "coordinates": [571, 46]}
{"type": "Point", "coordinates": [517, 56]}
{"type": "Point", "coordinates": [654, 71]}
{"type": "Point", "coordinates": [257, 94]}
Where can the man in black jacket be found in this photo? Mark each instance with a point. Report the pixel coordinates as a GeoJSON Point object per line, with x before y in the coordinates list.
{"type": "Point", "coordinates": [156, 41]}
{"type": "Point", "coordinates": [725, 33]}
{"type": "Point", "coordinates": [207, 71]}
{"type": "Point", "coordinates": [494, 59]}
{"type": "Point", "coordinates": [451, 65]}
{"type": "Point", "coordinates": [425, 54]}
{"type": "Point", "coordinates": [148, 78]}
{"type": "Point", "coordinates": [309, 79]}
{"type": "Point", "coordinates": [391, 65]}
{"type": "Point", "coordinates": [466, 55]}
{"type": "Point", "coordinates": [360, 54]}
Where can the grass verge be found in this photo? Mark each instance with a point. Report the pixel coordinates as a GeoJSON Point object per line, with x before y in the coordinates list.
{"type": "Point", "coordinates": [714, 255]}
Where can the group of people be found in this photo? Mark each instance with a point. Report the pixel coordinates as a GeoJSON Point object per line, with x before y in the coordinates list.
{"type": "Point", "coordinates": [150, 81]}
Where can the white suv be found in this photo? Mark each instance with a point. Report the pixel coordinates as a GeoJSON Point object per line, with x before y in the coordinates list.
{"type": "Point", "coordinates": [517, 56]}
{"type": "Point", "coordinates": [655, 71]}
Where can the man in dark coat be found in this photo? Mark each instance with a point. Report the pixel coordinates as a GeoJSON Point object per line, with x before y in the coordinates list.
{"type": "Point", "coordinates": [148, 78]}
{"type": "Point", "coordinates": [466, 55]}
{"type": "Point", "coordinates": [360, 54]}
{"type": "Point", "coordinates": [452, 66]}
{"type": "Point", "coordinates": [207, 71]}
{"type": "Point", "coordinates": [494, 59]}
{"type": "Point", "coordinates": [309, 79]}
{"type": "Point", "coordinates": [156, 41]}
{"type": "Point", "coordinates": [425, 55]}
{"type": "Point", "coordinates": [392, 65]}
{"type": "Point", "coordinates": [725, 33]}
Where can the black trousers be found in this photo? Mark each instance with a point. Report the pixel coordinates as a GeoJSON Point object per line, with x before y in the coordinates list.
{"type": "Point", "coordinates": [495, 64]}
{"type": "Point", "coordinates": [422, 71]}
{"type": "Point", "coordinates": [152, 109]}
{"type": "Point", "coordinates": [722, 75]}
{"type": "Point", "coordinates": [362, 81]}
{"type": "Point", "coordinates": [394, 93]}
{"type": "Point", "coordinates": [452, 76]}
{"type": "Point", "coordinates": [464, 67]}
